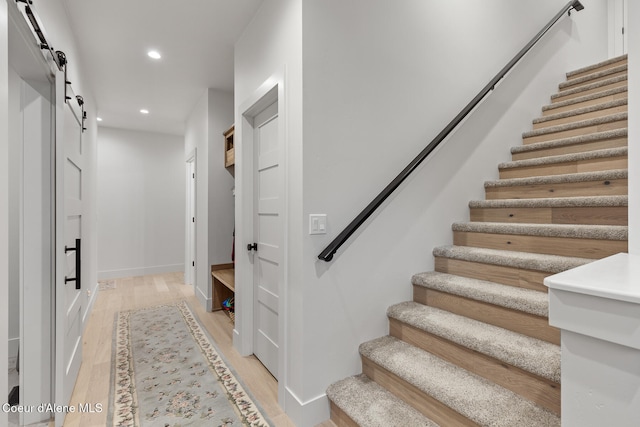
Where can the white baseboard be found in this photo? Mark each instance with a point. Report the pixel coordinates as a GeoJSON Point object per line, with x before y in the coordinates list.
{"type": "Point", "coordinates": [309, 413]}
{"type": "Point", "coordinates": [206, 302]}
{"type": "Point", "coordinates": [92, 300]}
{"type": "Point", "coordinates": [141, 271]}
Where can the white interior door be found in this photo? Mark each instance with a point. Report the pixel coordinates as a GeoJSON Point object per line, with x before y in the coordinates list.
{"type": "Point", "coordinates": [69, 224]}
{"type": "Point", "coordinates": [268, 236]}
{"type": "Point", "coordinates": [617, 27]}
{"type": "Point", "coordinates": [190, 261]}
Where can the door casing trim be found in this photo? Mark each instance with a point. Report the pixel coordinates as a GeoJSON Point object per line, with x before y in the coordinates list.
{"type": "Point", "coordinates": [273, 89]}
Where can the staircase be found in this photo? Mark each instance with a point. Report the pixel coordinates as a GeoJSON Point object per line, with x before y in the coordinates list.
{"type": "Point", "coordinates": [474, 347]}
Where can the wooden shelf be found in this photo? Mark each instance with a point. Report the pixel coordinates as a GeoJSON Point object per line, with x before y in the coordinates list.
{"type": "Point", "coordinates": [229, 148]}
{"type": "Point", "coordinates": [223, 283]}
{"type": "Point", "coordinates": [226, 277]}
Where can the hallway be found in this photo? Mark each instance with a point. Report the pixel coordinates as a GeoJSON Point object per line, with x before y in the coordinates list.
{"type": "Point", "coordinates": [143, 291]}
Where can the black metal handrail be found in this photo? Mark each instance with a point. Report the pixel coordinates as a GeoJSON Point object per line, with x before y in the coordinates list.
{"type": "Point", "coordinates": [332, 248]}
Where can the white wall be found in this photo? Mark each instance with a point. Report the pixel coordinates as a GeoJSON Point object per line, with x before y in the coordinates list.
{"type": "Point", "coordinates": [271, 45]}
{"type": "Point", "coordinates": [4, 201]}
{"type": "Point", "coordinates": [379, 82]}
{"type": "Point", "coordinates": [633, 35]}
{"type": "Point", "coordinates": [141, 198]}
{"type": "Point", "coordinates": [210, 117]}
{"type": "Point", "coordinates": [196, 140]}
{"type": "Point", "coordinates": [221, 182]}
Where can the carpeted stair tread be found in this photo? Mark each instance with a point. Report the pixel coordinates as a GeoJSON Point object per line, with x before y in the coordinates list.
{"type": "Point", "coordinates": [591, 86]}
{"type": "Point", "coordinates": [584, 98]}
{"type": "Point", "coordinates": [576, 231]}
{"type": "Point", "coordinates": [592, 76]}
{"type": "Point", "coordinates": [521, 299]}
{"type": "Point", "coordinates": [530, 354]}
{"type": "Point", "coordinates": [484, 402]}
{"type": "Point", "coordinates": [576, 125]}
{"type": "Point", "coordinates": [559, 202]}
{"type": "Point", "coordinates": [584, 110]}
{"type": "Point", "coordinates": [525, 260]}
{"type": "Point", "coordinates": [596, 66]}
{"type": "Point", "coordinates": [370, 405]}
{"type": "Point", "coordinates": [559, 179]}
{"type": "Point", "coordinates": [573, 157]}
{"type": "Point", "coordinates": [562, 142]}
{"type": "Point", "coordinates": [593, 98]}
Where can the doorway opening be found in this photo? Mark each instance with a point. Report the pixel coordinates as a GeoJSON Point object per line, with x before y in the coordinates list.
{"type": "Point", "coordinates": [31, 223]}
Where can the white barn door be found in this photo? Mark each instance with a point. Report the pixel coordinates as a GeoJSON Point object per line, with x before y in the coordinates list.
{"type": "Point", "coordinates": [68, 246]}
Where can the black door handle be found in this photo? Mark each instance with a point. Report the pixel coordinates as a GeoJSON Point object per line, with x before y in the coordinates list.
{"type": "Point", "coordinates": [78, 278]}
{"type": "Point", "coordinates": [252, 247]}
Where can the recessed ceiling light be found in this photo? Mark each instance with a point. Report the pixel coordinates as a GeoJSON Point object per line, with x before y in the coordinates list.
{"type": "Point", "coordinates": [144, 111]}
{"type": "Point", "coordinates": [154, 54]}
{"type": "Point", "coordinates": [99, 119]}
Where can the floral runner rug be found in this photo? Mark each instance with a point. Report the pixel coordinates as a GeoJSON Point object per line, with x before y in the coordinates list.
{"type": "Point", "coordinates": [167, 372]}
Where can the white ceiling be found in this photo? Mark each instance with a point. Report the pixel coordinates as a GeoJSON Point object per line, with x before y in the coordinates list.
{"type": "Point", "coordinates": [195, 38]}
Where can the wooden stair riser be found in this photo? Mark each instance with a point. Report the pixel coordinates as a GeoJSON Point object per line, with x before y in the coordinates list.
{"type": "Point", "coordinates": [563, 246]}
{"type": "Point", "coordinates": [340, 418]}
{"type": "Point", "coordinates": [613, 187]}
{"type": "Point", "coordinates": [594, 215]}
{"type": "Point", "coordinates": [580, 117]}
{"type": "Point", "coordinates": [591, 80]}
{"type": "Point", "coordinates": [582, 104]}
{"type": "Point", "coordinates": [562, 168]}
{"type": "Point", "coordinates": [578, 94]}
{"type": "Point", "coordinates": [512, 276]}
{"type": "Point", "coordinates": [513, 320]}
{"type": "Point", "coordinates": [542, 391]}
{"type": "Point", "coordinates": [424, 403]}
{"type": "Point", "coordinates": [598, 69]}
{"type": "Point", "coordinates": [586, 130]}
{"type": "Point", "coordinates": [572, 149]}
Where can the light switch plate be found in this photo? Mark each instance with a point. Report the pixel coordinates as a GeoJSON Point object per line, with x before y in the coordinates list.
{"type": "Point", "coordinates": [318, 224]}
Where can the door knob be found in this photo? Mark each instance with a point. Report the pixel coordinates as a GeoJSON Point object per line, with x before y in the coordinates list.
{"type": "Point", "coordinates": [252, 247]}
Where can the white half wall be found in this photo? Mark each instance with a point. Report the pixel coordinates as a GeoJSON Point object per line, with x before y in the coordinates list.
{"type": "Point", "coordinates": [141, 199]}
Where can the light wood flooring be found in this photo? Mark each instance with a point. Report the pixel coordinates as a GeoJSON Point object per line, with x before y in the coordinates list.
{"type": "Point", "coordinates": [92, 385]}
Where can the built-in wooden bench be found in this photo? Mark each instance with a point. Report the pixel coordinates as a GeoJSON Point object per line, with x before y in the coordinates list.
{"type": "Point", "coordinates": [223, 282]}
